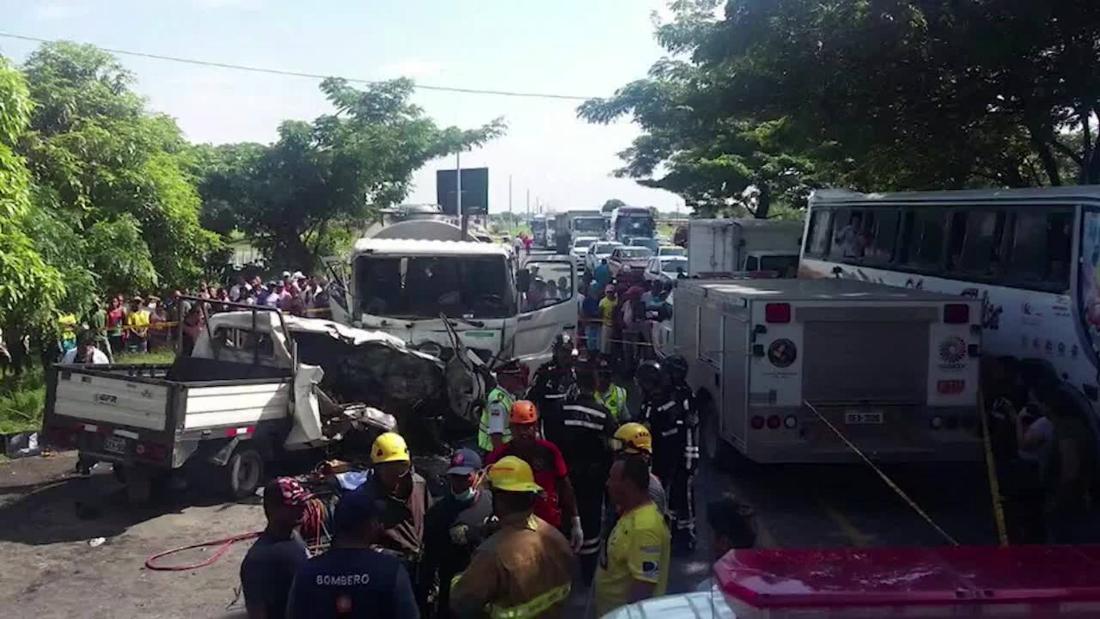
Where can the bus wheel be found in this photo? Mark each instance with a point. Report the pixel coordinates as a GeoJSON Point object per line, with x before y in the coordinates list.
{"type": "Point", "coordinates": [243, 473]}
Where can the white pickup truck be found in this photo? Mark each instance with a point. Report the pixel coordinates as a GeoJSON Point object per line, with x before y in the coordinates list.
{"type": "Point", "coordinates": [257, 386]}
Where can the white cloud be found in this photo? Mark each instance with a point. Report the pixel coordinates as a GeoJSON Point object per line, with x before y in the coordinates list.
{"type": "Point", "coordinates": [412, 67]}
{"type": "Point", "coordinates": [59, 10]}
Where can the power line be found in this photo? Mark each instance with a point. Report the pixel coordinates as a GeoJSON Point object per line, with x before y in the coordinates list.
{"type": "Point", "coordinates": [269, 71]}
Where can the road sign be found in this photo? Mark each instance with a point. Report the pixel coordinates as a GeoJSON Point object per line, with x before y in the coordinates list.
{"type": "Point", "coordinates": [475, 191]}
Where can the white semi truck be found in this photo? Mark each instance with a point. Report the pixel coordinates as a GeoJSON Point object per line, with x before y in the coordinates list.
{"type": "Point", "coordinates": [410, 277]}
{"type": "Point", "coordinates": [723, 247]}
{"type": "Point", "coordinates": [784, 365]}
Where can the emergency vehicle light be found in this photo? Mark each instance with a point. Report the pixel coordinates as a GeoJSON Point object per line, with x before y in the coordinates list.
{"type": "Point", "coordinates": [956, 313]}
{"type": "Point", "coordinates": [777, 312]}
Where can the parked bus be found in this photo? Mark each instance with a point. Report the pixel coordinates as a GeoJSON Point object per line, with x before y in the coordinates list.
{"type": "Point", "coordinates": [538, 231]}
{"type": "Point", "coordinates": [1032, 256]}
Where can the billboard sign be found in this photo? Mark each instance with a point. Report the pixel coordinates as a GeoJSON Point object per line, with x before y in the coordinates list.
{"type": "Point", "coordinates": [475, 191]}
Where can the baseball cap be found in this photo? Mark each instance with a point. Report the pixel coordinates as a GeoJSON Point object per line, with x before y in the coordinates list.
{"type": "Point", "coordinates": [356, 508]}
{"type": "Point", "coordinates": [464, 462]}
{"type": "Point", "coordinates": [286, 274]}
{"type": "Point", "coordinates": [291, 493]}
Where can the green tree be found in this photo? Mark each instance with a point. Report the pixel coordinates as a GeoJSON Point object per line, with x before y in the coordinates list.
{"type": "Point", "coordinates": [111, 171]}
{"type": "Point", "coordinates": [611, 205]}
{"type": "Point", "coordinates": [779, 96]}
{"type": "Point", "coordinates": [301, 197]}
{"type": "Point", "coordinates": [29, 287]}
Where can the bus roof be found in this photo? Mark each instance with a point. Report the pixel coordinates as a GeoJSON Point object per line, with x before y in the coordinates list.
{"type": "Point", "coordinates": [412, 247]}
{"type": "Point", "coordinates": [824, 289]}
{"type": "Point", "coordinates": [1031, 194]}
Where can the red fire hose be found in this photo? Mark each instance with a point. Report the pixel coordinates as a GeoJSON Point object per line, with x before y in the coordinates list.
{"type": "Point", "coordinates": [223, 546]}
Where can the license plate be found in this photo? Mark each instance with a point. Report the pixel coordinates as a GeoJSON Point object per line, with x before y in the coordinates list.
{"type": "Point", "coordinates": [114, 444]}
{"type": "Point", "coordinates": [863, 418]}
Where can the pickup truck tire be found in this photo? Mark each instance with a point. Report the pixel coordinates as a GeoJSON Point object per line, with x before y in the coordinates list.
{"type": "Point", "coordinates": [244, 472]}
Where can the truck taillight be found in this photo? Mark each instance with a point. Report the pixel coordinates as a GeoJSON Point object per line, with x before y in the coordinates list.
{"type": "Point", "coordinates": [757, 422]}
{"type": "Point", "coordinates": [777, 312]}
{"type": "Point", "coordinates": [956, 313]}
{"type": "Point", "coordinates": [774, 422]}
{"type": "Point", "coordinates": [950, 387]}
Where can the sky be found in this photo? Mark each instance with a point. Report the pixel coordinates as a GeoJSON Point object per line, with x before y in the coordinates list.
{"type": "Point", "coordinates": [574, 47]}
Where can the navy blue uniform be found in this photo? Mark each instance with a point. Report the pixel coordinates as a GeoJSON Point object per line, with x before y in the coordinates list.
{"type": "Point", "coordinates": [352, 582]}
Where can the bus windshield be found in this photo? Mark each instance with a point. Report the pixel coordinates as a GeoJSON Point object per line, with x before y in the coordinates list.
{"type": "Point", "coordinates": [422, 287]}
{"type": "Point", "coordinates": [636, 225]}
{"type": "Point", "coordinates": [588, 226]}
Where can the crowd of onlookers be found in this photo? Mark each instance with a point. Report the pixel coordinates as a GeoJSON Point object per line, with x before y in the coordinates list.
{"type": "Point", "coordinates": [618, 314]}
{"type": "Point", "coordinates": [138, 324]}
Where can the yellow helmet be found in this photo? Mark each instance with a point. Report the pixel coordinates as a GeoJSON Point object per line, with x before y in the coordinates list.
{"type": "Point", "coordinates": [512, 474]}
{"type": "Point", "coordinates": [389, 447]}
{"type": "Point", "coordinates": [633, 438]}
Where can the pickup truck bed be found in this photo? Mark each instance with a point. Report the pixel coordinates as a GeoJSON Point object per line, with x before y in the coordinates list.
{"type": "Point", "coordinates": [160, 415]}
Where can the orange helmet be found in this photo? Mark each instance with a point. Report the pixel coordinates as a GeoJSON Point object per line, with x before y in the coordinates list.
{"type": "Point", "coordinates": [524, 413]}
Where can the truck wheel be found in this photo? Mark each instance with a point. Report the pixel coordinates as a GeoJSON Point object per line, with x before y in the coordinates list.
{"type": "Point", "coordinates": [243, 472]}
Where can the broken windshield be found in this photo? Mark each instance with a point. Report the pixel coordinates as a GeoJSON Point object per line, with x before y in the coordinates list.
{"type": "Point", "coordinates": [419, 287]}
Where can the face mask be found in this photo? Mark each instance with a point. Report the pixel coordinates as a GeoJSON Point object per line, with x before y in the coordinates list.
{"type": "Point", "coordinates": [466, 495]}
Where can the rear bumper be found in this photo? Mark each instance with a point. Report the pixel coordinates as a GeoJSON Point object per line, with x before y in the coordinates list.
{"type": "Point", "coordinates": [110, 443]}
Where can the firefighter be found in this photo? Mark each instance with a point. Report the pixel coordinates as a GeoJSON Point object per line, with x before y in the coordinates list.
{"type": "Point", "coordinates": [612, 396]}
{"type": "Point", "coordinates": [492, 430]}
{"type": "Point", "coordinates": [557, 504]}
{"type": "Point", "coordinates": [675, 447]}
{"type": "Point", "coordinates": [405, 502]}
{"type": "Point", "coordinates": [634, 439]}
{"type": "Point", "coordinates": [525, 569]}
{"type": "Point", "coordinates": [552, 384]}
{"type": "Point", "coordinates": [586, 428]}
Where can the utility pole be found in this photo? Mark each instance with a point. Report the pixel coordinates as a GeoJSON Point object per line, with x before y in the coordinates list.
{"type": "Point", "coordinates": [528, 204]}
{"type": "Point", "coordinates": [458, 193]}
{"type": "Point", "coordinates": [509, 194]}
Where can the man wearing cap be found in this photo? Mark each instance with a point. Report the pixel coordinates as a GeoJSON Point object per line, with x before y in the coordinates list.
{"type": "Point", "coordinates": [350, 579]}
{"type": "Point", "coordinates": [552, 384]}
{"type": "Point", "coordinates": [556, 504]}
{"type": "Point", "coordinates": [525, 569]}
{"type": "Point", "coordinates": [454, 527]}
{"type": "Point", "coordinates": [404, 498]}
{"type": "Point", "coordinates": [271, 563]}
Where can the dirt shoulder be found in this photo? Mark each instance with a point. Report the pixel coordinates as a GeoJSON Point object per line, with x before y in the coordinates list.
{"type": "Point", "coordinates": [48, 517]}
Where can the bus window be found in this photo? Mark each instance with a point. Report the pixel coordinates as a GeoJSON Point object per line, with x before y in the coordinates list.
{"type": "Point", "coordinates": [976, 242]}
{"type": "Point", "coordinates": [924, 237]}
{"type": "Point", "coordinates": [882, 233]}
{"type": "Point", "coordinates": [818, 244]}
{"type": "Point", "coordinates": [1040, 249]}
{"type": "Point", "coordinates": [849, 240]}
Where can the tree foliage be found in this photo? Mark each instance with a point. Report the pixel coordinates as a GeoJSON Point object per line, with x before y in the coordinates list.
{"type": "Point", "coordinates": [298, 197]}
{"type": "Point", "coordinates": [777, 96]}
{"type": "Point", "coordinates": [612, 204]}
{"type": "Point", "coordinates": [112, 170]}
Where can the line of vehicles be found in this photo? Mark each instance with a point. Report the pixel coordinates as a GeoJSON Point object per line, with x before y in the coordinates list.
{"type": "Point", "coordinates": [899, 299]}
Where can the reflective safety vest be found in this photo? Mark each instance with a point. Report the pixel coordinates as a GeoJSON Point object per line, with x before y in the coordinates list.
{"type": "Point", "coordinates": [533, 607]}
{"type": "Point", "coordinates": [614, 401]}
{"type": "Point", "coordinates": [500, 400]}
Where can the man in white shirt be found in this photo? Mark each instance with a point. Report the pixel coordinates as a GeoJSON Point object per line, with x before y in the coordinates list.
{"type": "Point", "coordinates": [86, 352]}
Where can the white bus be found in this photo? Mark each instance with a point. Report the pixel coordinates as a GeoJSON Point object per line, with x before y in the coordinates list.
{"type": "Point", "coordinates": [1030, 255]}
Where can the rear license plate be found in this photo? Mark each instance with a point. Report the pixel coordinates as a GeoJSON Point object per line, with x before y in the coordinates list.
{"type": "Point", "coordinates": [114, 444]}
{"type": "Point", "coordinates": [854, 418]}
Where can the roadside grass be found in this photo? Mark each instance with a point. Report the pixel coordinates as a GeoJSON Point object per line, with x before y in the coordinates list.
{"type": "Point", "coordinates": [23, 398]}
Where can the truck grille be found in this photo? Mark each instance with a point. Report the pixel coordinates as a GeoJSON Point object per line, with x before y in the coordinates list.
{"type": "Point", "coordinates": [856, 361]}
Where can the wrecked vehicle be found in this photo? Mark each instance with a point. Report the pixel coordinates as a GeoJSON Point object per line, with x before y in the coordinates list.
{"type": "Point", "coordinates": [259, 387]}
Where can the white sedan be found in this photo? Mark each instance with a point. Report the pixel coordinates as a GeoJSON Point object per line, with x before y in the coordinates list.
{"type": "Point", "coordinates": [665, 268]}
{"type": "Point", "coordinates": [628, 258]}
{"type": "Point", "coordinates": [599, 251]}
{"type": "Point", "coordinates": [579, 250]}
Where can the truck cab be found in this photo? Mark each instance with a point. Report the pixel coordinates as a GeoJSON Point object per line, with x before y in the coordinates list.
{"type": "Point", "coordinates": [499, 309]}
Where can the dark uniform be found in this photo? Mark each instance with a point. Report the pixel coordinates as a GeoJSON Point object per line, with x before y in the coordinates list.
{"type": "Point", "coordinates": [552, 384]}
{"type": "Point", "coordinates": [670, 414]}
{"type": "Point", "coordinates": [587, 427]}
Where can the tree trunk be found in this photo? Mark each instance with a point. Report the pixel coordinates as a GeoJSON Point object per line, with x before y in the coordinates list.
{"type": "Point", "coordinates": [1050, 164]}
{"type": "Point", "coordinates": [763, 200]}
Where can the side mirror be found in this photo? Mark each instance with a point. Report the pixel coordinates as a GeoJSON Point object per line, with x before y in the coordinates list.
{"type": "Point", "coordinates": [523, 280]}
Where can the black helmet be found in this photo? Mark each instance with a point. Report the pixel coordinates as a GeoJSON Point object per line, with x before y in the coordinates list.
{"type": "Point", "coordinates": [650, 377]}
{"type": "Point", "coordinates": [563, 341]}
{"type": "Point", "coordinates": [676, 367]}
